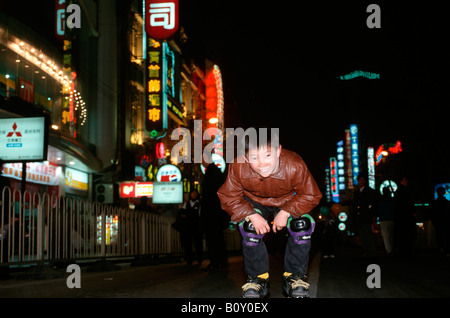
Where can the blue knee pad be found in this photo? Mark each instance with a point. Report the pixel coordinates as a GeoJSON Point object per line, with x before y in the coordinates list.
{"type": "Point", "coordinates": [301, 228]}
{"type": "Point", "coordinates": [248, 232]}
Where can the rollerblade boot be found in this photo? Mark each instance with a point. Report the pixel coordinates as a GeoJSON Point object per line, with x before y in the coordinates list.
{"type": "Point", "coordinates": [295, 286]}
{"type": "Point", "coordinates": [256, 287]}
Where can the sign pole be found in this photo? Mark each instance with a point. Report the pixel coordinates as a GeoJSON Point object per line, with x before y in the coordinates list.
{"type": "Point", "coordinates": [24, 178]}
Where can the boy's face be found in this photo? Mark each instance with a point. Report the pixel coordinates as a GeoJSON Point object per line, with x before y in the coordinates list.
{"type": "Point", "coordinates": [264, 160]}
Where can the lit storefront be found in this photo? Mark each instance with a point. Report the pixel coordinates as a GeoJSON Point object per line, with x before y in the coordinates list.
{"type": "Point", "coordinates": [36, 80]}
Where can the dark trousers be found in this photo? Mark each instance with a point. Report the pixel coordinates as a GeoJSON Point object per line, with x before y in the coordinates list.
{"type": "Point", "coordinates": [256, 258]}
{"type": "Point", "coordinates": [190, 237]}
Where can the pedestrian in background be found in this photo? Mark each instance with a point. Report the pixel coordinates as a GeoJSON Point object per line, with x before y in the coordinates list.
{"type": "Point", "coordinates": [440, 218]}
{"type": "Point", "coordinates": [213, 219]}
{"type": "Point", "coordinates": [188, 224]}
{"type": "Point", "coordinates": [364, 211]}
{"type": "Point", "coordinates": [404, 219]}
{"type": "Point", "coordinates": [327, 234]}
{"type": "Point", "coordinates": [386, 218]}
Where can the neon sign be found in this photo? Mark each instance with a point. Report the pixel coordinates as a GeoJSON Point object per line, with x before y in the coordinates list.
{"type": "Point", "coordinates": [355, 152]}
{"type": "Point", "coordinates": [334, 179]}
{"type": "Point", "coordinates": [153, 109]}
{"type": "Point", "coordinates": [136, 189]}
{"type": "Point", "coordinates": [348, 159]}
{"type": "Point", "coordinates": [161, 18]}
{"type": "Point", "coordinates": [160, 150]}
{"type": "Point", "coordinates": [340, 165]}
{"type": "Point", "coordinates": [358, 73]}
{"type": "Point", "coordinates": [215, 104]}
{"type": "Point", "coordinates": [386, 149]}
{"type": "Point", "coordinates": [371, 167]}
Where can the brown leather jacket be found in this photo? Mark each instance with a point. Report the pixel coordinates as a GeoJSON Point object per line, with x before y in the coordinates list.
{"type": "Point", "coordinates": [291, 187]}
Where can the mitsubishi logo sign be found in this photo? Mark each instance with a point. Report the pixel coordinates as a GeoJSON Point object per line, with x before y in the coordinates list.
{"type": "Point", "coordinates": [11, 133]}
{"type": "Point", "coordinates": [161, 18]}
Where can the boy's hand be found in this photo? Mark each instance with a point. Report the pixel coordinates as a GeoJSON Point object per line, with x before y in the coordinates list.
{"type": "Point", "coordinates": [280, 220]}
{"type": "Point", "coordinates": [259, 223]}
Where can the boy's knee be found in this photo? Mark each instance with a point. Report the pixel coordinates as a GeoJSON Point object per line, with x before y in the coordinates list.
{"type": "Point", "coordinates": [301, 228]}
{"type": "Point", "coordinates": [248, 232]}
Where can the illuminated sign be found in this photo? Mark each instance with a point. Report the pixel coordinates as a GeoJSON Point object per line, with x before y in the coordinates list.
{"type": "Point", "coordinates": [161, 18]}
{"type": "Point", "coordinates": [37, 172]}
{"type": "Point", "coordinates": [26, 91]}
{"type": "Point", "coordinates": [23, 139]}
{"type": "Point", "coordinates": [76, 179]}
{"type": "Point", "coordinates": [371, 166]}
{"type": "Point", "coordinates": [160, 150]}
{"type": "Point", "coordinates": [168, 173]}
{"type": "Point", "coordinates": [391, 185]}
{"type": "Point", "coordinates": [446, 186]}
{"type": "Point", "coordinates": [342, 216]}
{"type": "Point", "coordinates": [340, 165]}
{"type": "Point", "coordinates": [358, 73]}
{"type": "Point", "coordinates": [348, 159]}
{"type": "Point", "coordinates": [386, 149]}
{"type": "Point", "coordinates": [327, 184]}
{"type": "Point", "coordinates": [355, 152]}
{"type": "Point", "coordinates": [173, 96]}
{"type": "Point", "coordinates": [60, 19]}
{"type": "Point", "coordinates": [218, 161]}
{"type": "Point", "coordinates": [135, 189]}
{"type": "Point", "coordinates": [154, 88]}
{"type": "Point", "coordinates": [334, 179]}
{"type": "Point", "coordinates": [167, 193]}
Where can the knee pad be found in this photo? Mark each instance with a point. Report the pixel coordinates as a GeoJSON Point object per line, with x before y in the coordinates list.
{"type": "Point", "coordinates": [248, 232]}
{"type": "Point", "coordinates": [301, 228]}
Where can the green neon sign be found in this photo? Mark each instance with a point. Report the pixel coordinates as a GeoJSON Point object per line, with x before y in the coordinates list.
{"type": "Point", "coordinates": [358, 73]}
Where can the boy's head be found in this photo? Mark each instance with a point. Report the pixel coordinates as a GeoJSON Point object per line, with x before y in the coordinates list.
{"type": "Point", "coordinates": [262, 150]}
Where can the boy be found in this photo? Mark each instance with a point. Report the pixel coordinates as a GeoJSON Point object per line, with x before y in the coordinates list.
{"type": "Point", "coordinates": [271, 180]}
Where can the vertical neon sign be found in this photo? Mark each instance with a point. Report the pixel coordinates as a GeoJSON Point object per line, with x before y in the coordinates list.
{"type": "Point", "coordinates": [355, 152]}
{"type": "Point", "coordinates": [371, 166]}
{"type": "Point", "coordinates": [340, 165]}
{"type": "Point", "coordinates": [327, 184]}
{"type": "Point", "coordinates": [348, 160]}
{"type": "Point", "coordinates": [154, 88]}
{"type": "Point", "coordinates": [334, 179]}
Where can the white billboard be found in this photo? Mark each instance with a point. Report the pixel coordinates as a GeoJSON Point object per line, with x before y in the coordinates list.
{"type": "Point", "coordinates": [167, 192]}
{"type": "Point", "coordinates": [23, 139]}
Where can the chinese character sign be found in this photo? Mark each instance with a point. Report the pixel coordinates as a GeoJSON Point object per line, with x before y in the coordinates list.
{"type": "Point", "coordinates": [161, 18]}
{"type": "Point", "coordinates": [354, 152]}
{"type": "Point", "coordinates": [348, 160]}
{"type": "Point", "coordinates": [334, 179]}
{"type": "Point", "coordinates": [154, 88]}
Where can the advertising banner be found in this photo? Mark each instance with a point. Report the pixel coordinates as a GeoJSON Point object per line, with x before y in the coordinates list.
{"type": "Point", "coordinates": [23, 139]}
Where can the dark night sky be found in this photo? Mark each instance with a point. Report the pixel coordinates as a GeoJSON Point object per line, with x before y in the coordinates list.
{"type": "Point", "coordinates": [280, 61]}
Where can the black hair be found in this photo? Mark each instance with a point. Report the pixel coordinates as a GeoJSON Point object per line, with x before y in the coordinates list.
{"type": "Point", "coordinates": [260, 137]}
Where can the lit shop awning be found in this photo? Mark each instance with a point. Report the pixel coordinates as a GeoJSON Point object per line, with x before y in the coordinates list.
{"type": "Point", "coordinates": [63, 150]}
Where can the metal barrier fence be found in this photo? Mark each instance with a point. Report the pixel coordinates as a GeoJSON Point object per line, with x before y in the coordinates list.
{"type": "Point", "coordinates": [49, 228]}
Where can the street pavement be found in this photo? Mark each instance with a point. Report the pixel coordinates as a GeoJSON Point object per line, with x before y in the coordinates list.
{"type": "Point", "coordinates": [423, 275]}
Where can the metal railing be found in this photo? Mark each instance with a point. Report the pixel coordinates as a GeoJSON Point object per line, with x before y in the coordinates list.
{"type": "Point", "coordinates": [50, 228]}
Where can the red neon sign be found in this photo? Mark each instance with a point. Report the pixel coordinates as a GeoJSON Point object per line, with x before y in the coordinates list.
{"type": "Point", "coordinates": [136, 189]}
{"type": "Point", "coordinates": [160, 150]}
{"type": "Point", "coordinates": [161, 18]}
